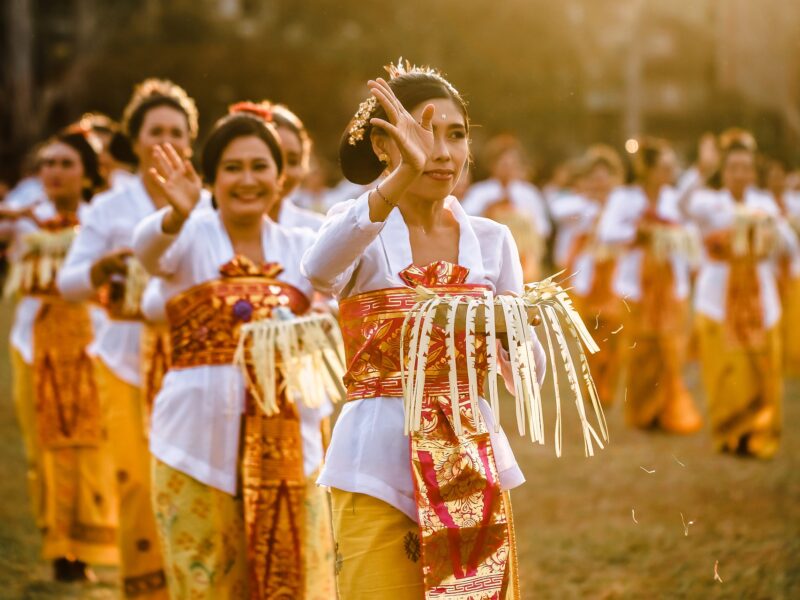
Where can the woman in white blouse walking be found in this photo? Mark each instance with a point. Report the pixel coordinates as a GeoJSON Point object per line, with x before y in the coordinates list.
{"type": "Point", "coordinates": [397, 533]}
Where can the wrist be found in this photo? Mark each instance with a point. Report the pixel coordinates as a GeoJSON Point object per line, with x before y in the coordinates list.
{"type": "Point", "coordinates": [172, 222]}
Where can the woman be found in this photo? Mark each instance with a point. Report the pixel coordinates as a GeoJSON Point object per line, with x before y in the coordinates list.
{"type": "Point", "coordinates": [738, 304]}
{"type": "Point", "coordinates": [406, 231]}
{"type": "Point", "coordinates": [591, 263]}
{"type": "Point", "coordinates": [100, 261]}
{"type": "Point", "coordinates": [70, 473]}
{"type": "Point", "coordinates": [774, 182]}
{"type": "Point", "coordinates": [217, 270]}
{"type": "Point", "coordinates": [653, 276]}
{"type": "Point", "coordinates": [509, 199]}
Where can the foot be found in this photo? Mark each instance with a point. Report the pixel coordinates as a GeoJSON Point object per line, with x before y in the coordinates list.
{"type": "Point", "coordinates": [681, 416]}
{"type": "Point", "coordinates": [62, 570]}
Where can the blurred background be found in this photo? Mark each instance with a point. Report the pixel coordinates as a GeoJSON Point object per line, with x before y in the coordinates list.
{"type": "Point", "coordinates": [560, 75]}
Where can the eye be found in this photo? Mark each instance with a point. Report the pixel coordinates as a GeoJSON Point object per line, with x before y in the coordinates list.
{"type": "Point", "coordinates": [261, 166]}
{"type": "Point", "coordinates": [156, 131]}
{"type": "Point", "coordinates": [458, 134]}
{"type": "Point", "coordinates": [177, 133]}
{"type": "Point", "coordinates": [232, 168]}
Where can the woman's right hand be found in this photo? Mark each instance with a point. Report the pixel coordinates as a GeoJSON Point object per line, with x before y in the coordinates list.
{"type": "Point", "coordinates": [176, 182]}
{"type": "Point", "coordinates": [113, 263]}
{"type": "Point", "coordinates": [414, 140]}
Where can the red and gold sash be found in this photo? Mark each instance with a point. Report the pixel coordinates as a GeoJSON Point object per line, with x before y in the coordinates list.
{"type": "Point", "coordinates": [463, 517]}
{"type": "Point", "coordinates": [743, 299]}
{"type": "Point", "coordinates": [67, 404]}
{"type": "Point", "coordinates": [659, 307]}
{"type": "Point", "coordinates": [205, 322]}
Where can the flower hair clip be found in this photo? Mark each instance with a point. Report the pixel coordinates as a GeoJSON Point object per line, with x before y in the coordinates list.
{"type": "Point", "coordinates": [361, 119]}
{"type": "Point", "coordinates": [262, 110]}
{"type": "Point", "coordinates": [368, 106]}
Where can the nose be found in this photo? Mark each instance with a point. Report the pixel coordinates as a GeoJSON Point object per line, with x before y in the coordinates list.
{"type": "Point", "coordinates": [440, 153]}
{"type": "Point", "coordinates": [247, 176]}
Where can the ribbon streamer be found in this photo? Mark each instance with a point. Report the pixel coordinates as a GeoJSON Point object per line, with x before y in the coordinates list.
{"type": "Point", "coordinates": [562, 327]}
{"type": "Point", "coordinates": [308, 352]}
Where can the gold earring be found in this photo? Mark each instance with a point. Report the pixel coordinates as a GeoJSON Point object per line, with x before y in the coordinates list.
{"type": "Point", "coordinates": [383, 158]}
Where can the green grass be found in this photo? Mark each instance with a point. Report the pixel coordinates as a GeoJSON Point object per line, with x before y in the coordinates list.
{"type": "Point", "coordinates": [576, 533]}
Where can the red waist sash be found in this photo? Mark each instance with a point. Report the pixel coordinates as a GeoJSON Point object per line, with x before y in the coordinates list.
{"type": "Point", "coordinates": [463, 517]}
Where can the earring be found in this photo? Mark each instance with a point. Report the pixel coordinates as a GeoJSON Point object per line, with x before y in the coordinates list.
{"type": "Point", "coordinates": [383, 158]}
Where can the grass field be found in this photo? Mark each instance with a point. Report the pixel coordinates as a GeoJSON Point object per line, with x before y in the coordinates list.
{"type": "Point", "coordinates": [649, 517]}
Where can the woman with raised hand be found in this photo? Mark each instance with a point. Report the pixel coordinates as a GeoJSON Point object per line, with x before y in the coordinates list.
{"type": "Point", "coordinates": [229, 481]}
{"type": "Point", "coordinates": [429, 515]}
{"type": "Point", "coordinates": [653, 277]}
{"type": "Point", "coordinates": [100, 262]}
{"type": "Point", "coordinates": [738, 304]}
{"type": "Point", "coordinates": [70, 471]}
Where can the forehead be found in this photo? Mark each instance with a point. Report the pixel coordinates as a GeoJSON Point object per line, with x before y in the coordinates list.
{"type": "Point", "coordinates": [165, 115]}
{"type": "Point", "coordinates": [289, 139]}
{"type": "Point", "coordinates": [59, 151]}
{"type": "Point", "coordinates": [246, 147]}
{"type": "Point", "coordinates": [445, 112]}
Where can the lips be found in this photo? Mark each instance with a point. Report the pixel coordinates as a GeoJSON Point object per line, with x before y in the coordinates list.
{"type": "Point", "coordinates": [440, 174]}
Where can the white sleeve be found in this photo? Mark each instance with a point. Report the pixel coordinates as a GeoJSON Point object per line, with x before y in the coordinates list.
{"type": "Point", "coordinates": [617, 224]}
{"type": "Point", "coordinates": [347, 231]}
{"type": "Point", "coordinates": [539, 211]}
{"type": "Point", "coordinates": [160, 253]}
{"type": "Point", "coordinates": [74, 278]}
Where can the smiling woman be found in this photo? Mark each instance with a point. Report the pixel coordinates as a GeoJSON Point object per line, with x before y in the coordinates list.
{"type": "Point", "coordinates": [219, 269]}
{"type": "Point", "coordinates": [430, 517]}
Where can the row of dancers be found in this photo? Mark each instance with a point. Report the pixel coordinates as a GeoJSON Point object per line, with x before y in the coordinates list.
{"type": "Point", "coordinates": [145, 445]}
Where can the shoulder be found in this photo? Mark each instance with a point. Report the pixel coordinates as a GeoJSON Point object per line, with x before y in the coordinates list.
{"type": "Point", "coordinates": [489, 232]}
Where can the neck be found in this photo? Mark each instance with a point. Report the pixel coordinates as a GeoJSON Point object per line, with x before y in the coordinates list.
{"type": "Point", "coordinates": [67, 206]}
{"type": "Point", "coordinates": [652, 191]}
{"type": "Point", "coordinates": [275, 210]}
{"type": "Point", "coordinates": [738, 194]}
{"type": "Point", "coordinates": [243, 231]}
{"type": "Point", "coordinates": [419, 212]}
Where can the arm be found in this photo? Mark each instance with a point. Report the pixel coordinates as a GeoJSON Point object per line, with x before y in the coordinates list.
{"type": "Point", "coordinates": [329, 263]}
{"type": "Point", "coordinates": [180, 188]}
{"type": "Point", "coordinates": [88, 264]}
{"type": "Point", "coordinates": [615, 226]}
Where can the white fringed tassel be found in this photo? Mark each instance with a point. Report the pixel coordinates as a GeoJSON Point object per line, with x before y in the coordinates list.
{"type": "Point", "coordinates": [307, 352]}
{"type": "Point", "coordinates": [553, 306]}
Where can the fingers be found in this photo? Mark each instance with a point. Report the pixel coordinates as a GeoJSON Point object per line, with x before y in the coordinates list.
{"type": "Point", "coordinates": [189, 168]}
{"type": "Point", "coordinates": [175, 159]}
{"type": "Point", "coordinates": [427, 117]}
{"type": "Point", "coordinates": [385, 101]}
{"type": "Point", "coordinates": [162, 163]}
{"type": "Point", "coordinates": [156, 177]}
{"type": "Point", "coordinates": [387, 89]}
{"type": "Point", "coordinates": [388, 128]}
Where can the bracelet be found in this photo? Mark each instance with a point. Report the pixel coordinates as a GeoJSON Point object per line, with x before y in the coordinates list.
{"type": "Point", "coordinates": [384, 198]}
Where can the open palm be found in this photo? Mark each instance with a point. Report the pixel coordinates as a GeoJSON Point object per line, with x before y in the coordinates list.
{"type": "Point", "coordinates": [175, 179]}
{"type": "Point", "coordinates": [414, 140]}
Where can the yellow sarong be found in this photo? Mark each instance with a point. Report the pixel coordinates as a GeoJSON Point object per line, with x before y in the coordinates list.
{"type": "Point", "coordinates": [791, 325]}
{"type": "Point", "coordinates": [655, 391]}
{"type": "Point", "coordinates": [319, 554]}
{"type": "Point", "coordinates": [141, 562]}
{"type": "Point", "coordinates": [26, 417]}
{"type": "Point", "coordinates": [202, 534]}
{"type": "Point", "coordinates": [744, 388]}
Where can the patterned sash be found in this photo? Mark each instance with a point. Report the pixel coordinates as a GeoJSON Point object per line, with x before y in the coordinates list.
{"type": "Point", "coordinates": [205, 322]}
{"type": "Point", "coordinates": [464, 519]}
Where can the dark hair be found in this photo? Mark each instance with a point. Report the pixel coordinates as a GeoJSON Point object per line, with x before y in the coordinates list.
{"type": "Point", "coordinates": [647, 155]}
{"type": "Point", "coordinates": [283, 117]}
{"type": "Point", "coordinates": [152, 93]}
{"type": "Point", "coordinates": [358, 160]}
{"type": "Point", "coordinates": [91, 165]}
{"type": "Point", "coordinates": [233, 126]}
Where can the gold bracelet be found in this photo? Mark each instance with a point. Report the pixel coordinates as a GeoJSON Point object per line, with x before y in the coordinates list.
{"type": "Point", "coordinates": [384, 198]}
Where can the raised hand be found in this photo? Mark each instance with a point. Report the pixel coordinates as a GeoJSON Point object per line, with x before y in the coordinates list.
{"type": "Point", "coordinates": [174, 180]}
{"type": "Point", "coordinates": [414, 140]}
